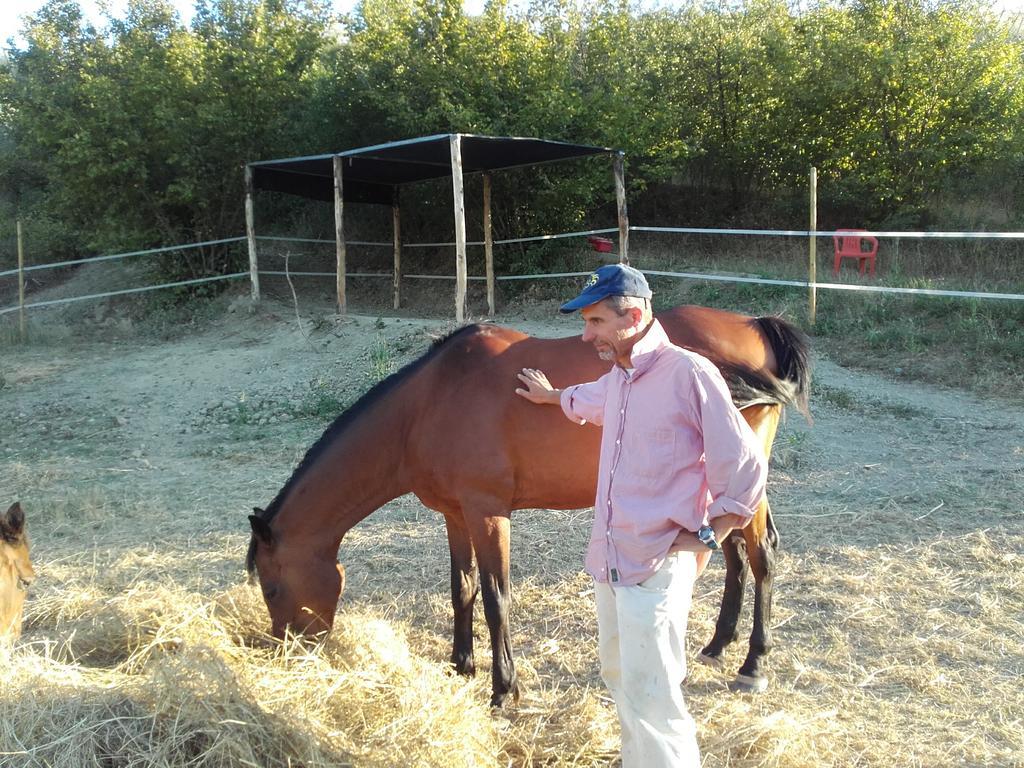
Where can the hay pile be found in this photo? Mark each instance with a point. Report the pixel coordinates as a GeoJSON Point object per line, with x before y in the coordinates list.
{"type": "Point", "coordinates": [157, 676]}
{"type": "Point", "coordinates": [878, 650]}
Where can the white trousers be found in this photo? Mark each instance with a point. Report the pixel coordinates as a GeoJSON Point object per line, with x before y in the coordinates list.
{"type": "Point", "coordinates": [642, 645]}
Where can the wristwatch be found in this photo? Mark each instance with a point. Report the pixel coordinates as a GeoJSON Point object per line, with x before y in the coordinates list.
{"type": "Point", "coordinates": [707, 536]}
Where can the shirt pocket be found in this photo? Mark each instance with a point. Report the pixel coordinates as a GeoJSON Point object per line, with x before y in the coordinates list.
{"type": "Point", "coordinates": [653, 453]}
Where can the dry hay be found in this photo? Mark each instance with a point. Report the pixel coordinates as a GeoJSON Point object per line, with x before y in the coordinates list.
{"type": "Point", "coordinates": [905, 656]}
{"type": "Point", "coordinates": [171, 679]}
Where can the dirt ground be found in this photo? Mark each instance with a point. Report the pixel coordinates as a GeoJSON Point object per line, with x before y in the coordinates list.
{"type": "Point", "coordinates": [899, 606]}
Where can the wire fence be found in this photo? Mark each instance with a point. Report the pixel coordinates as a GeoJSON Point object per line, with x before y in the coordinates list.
{"type": "Point", "coordinates": [989, 267]}
{"type": "Point", "coordinates": [106, 279]}
{"type": "Point", "coordinates": [770, 265]}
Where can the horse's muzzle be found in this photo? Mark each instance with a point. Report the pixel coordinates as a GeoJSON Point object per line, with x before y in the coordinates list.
{"type": "Point", "coordinates": [314, 629]}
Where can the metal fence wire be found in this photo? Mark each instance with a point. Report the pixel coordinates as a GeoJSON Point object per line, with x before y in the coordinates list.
{"type": "Point", "coordinates": [971, 265]}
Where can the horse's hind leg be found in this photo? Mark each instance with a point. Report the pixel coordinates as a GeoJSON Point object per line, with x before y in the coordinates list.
{"type": "Point", "coordinates": [732, 601]}
{"type": "Point", "coordinates": [760, 541]}
{"type": "Point", "coordinates": [761, 554]}
{"type": "Point", "coordinates": [464, 592]}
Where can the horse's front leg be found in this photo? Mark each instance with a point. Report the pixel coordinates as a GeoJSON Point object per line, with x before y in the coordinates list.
{"type": "Point", "coordinates": [761, 553]}
{"type": "Point", "coordinates": [490, 536]}
{"type": "Point", "coordinates": [464, 592]}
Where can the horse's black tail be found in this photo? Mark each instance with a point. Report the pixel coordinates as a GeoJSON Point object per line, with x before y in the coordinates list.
{"type": "Point", "coordinates": [791, 386]}
{"type": "Point", "coordinates": [792, 351]}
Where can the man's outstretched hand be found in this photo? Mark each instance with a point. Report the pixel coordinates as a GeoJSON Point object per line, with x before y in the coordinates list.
{"type": "Point", "coordinates": [538, 388]}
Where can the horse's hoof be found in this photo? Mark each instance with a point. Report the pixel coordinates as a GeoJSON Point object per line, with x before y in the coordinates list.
{"type": "Point", "coordinates": [499, 700]}
{"type": "Point", "coordinates": [711, 661]}
{"type": "Point", "coordinates": [748, 684]}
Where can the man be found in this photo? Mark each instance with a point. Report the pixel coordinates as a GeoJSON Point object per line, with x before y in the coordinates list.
{"type": "Point", "coordinates": [679, 470]}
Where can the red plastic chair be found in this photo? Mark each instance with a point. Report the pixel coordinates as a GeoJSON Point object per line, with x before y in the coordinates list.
{"type": "Point", "coordinates": [849, 244]}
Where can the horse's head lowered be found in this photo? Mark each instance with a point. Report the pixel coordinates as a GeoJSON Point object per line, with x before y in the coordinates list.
{"type": "Point", "coordinates": [16, 572]}
{"type": "Point", "coordinates": [301, 583]}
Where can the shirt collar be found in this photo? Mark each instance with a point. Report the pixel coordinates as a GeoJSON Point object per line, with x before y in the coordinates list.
{"type": "Point", "coordinates": [645, 351]}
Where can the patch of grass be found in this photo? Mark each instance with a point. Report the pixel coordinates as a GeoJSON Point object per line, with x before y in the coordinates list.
{"type": "Point", "coordinates": [39, 331]}
{"type": "Point", "coordinates": [971, 344]}
{"type": "Point", "coordinates": [382, 361]}
{"type": "Point", "coordinates": [168, 313]}
{"type": "Point", "coordinates": [837, 397]}
{"type": "Point", "coordinates": [845, 400]}
{"type": "Point", "coordinates": [789, 450]}
{"type": "Point", "coordinates": [902, 410]}
{"type": "Point", "coordinates": [324, 398]}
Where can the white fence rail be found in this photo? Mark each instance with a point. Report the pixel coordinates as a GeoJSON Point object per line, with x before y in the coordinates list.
{"type": "Point", "coordinates": [726, 278]}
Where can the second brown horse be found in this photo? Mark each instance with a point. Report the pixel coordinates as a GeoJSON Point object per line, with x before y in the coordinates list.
{"type": "Point", "coordinates": [450, 429]}
{"type": "Point", "coordinates": [16, 572]}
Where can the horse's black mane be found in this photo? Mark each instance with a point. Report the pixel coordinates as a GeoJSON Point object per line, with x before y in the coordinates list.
{"type": "Point", "coordinates": [340, 424]}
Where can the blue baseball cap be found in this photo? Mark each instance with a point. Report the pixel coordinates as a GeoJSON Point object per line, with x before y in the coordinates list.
{"type": "Point", "coordinates": [610, 280]}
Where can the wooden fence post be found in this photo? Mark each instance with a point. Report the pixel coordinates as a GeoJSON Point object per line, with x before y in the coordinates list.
{"type": "Point", "coordinates": [460, 228]}
{"type": "Point", "coordinates": [339, 235]}
{"type": "Point", "coordinates": [619, 168]}
{"type": "Point", "coordinates": [21, 285]}
{"type": "Point", "coordinates": [488, 245]}
{"type": "Point", "coordinates": [396, 226]}
{"type": "Point", "coordinates": [250, 234]}
{"type": "Point", "coordinates": [812, 276]}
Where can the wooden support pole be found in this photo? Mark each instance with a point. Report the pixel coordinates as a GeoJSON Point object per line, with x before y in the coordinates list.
{"type": "Point", "coordinates": [488, 245]}
{"type": "Point", "coordinates": [460, 228]}
{"type": "Point", "coordinates": [812, 274]}
{"type": "Point", "coordinates": [619, 168]}
{"type": "Point", "coordinates": [339, 235]}
{"type": "Point", "coordinates": [21, 285]}
{"type": "Point", "coordinates": [396, 226]}
{"type": "Point", "coordinates": [250, 233]}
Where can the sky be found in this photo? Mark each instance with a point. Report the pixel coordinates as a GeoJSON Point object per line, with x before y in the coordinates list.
{"type": "Point", "coordinates": [11, 11]}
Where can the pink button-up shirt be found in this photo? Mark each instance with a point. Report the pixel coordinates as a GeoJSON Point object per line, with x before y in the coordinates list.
{"type": "Point", "coordinates": [675, 453]}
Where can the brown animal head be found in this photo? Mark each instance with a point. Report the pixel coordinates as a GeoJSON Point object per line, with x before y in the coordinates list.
{"type": "Point", "coordinates": [16, 572]}
{"type": "Point", "coordinates": [300, 586]}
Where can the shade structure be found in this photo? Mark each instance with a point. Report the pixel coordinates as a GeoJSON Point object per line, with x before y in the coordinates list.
{"type": "Point", "coordinates": [374, 174]}
{"type": "Point", "coordinates": [371, 173]}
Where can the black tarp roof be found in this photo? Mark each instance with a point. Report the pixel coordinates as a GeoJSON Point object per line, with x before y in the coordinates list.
{"type": "Point", "coordinates": [370, 174]}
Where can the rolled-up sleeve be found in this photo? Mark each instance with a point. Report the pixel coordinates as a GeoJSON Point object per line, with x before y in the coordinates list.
{"type": "Point", "coordinates": [735, 463]}
{"type": "Point", "coordinates": [585, 402]}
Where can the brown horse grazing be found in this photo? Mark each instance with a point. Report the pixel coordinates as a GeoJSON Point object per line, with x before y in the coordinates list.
{"type": "Point", "coordinates": [16, 571]}
{"type": "Point", "coordinates": [450, 428]}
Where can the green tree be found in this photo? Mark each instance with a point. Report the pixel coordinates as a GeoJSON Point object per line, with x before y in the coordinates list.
{"type": "Point", "coordinates": [901, 96]}
{"type": "Point", "coordinates": [139, 134]}
{"type": "Point", "coordinates": [136, 134]}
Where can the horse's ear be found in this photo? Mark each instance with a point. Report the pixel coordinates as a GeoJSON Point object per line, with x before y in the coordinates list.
{"type": "Point", "coordinates": [12, 524]}
{"type": "Point", "coordinates": [261, 530]}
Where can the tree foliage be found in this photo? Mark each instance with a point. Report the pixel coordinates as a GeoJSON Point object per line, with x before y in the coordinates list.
{"type": "Point", "coordinates": [136, 133]}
